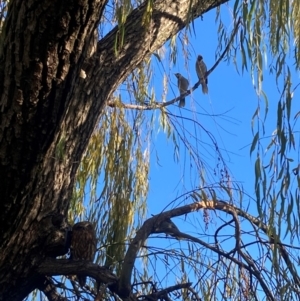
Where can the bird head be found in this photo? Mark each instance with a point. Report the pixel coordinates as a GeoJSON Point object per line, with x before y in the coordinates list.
{"type": "Point", "coordinates": [199, 58]}
{"type": "Point", "coordinates": [83, 225]}
{"type": "Point", "coordinates": [178, 75]}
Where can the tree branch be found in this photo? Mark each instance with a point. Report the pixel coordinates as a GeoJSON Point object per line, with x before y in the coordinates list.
{"type": "Point", "coordinates": [226, 48]}
{"type": "Point", "coordinates": [159, 105]}
{"type": "Point", "coordinates": [48, 111]}
{"type": "Point", "coordinates": [48, 287]}
{"type": "Point", "coordinates": [141, 236]}
{"type": "Point", "coordinates": [149, 227]}
{"type": "Point", "coordinates": [55, 267]}
{"type": "Point", "coordinates": [160, 294]}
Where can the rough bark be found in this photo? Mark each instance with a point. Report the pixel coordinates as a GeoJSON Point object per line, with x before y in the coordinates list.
{"type": "Point", "coordinates": [48, 112]}
{"type": "Point", "coordinates": [56, 267]}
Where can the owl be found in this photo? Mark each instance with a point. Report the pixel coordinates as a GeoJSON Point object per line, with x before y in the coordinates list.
{"type": "Point", "coordinates": [83, 245]}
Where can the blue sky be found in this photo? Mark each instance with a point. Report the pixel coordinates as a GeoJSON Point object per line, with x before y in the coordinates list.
{"type": "Point", "coordinates": [226, 112]}
{"type": "Point", "coordinates": [232, 95]}
{"type": "Point", "coordinates": [232, 99]}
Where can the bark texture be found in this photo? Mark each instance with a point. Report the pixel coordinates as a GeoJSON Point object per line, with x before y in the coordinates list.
{"type": "Point", "coordinates": [48, 112]}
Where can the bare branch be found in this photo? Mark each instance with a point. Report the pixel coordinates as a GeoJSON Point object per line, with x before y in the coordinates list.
{"type": "Point", "coordinates": [159, 105]}
{"type": "Point", "coordinates": [55, 267]}
{"type": "Point", "coordinates": [58, 109]}
{"type": "Point", "coordinates": [226, 48]}
{"type": "Point", "coordinates": [48, 287]}
{"type": "Point", "coordinates": [161, 294]}
{"type": "Point", "coordinates": [149, 227]}
{"type": "Point", "coordinates": [153, 223]}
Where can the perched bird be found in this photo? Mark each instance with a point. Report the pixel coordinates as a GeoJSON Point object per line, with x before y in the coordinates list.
{"type": "Point", "coordinates": [83, 245]}
{"type": "Point", "coordinates": [201, 72]}
{"type": "Point", "coordinates": [183, 85]}
{"type": "Point", "coordinates": [168, 227]}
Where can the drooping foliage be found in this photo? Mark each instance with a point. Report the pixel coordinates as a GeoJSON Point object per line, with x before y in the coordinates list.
{"type": "Point", "coordinates": [244, 244]}
{"type": "Point", "coordinates": [266, 42]}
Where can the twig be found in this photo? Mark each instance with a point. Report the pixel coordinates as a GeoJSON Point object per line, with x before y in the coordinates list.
{"type": "Point", "coordinates": [226, 48]}
{"type": "Point", "coordinates": [159, 105]}
{"type": "Point", "coordinates": [48, 287]}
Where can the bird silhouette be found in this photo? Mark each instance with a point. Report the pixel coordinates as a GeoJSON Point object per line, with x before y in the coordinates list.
{"type": "Point", "coordinates": [183, 85]}
{"type": "Point", "coordinates": [201, 70]}
{"type": "Point", "coordinates": [168, 227]}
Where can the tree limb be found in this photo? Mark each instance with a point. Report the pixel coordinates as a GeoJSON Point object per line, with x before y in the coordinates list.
{"type": "Point", "coordinates": [159, 105]}
{"type": "Point", "coordinates": [152, 223]}
{"type": "Point", "coordinates": [49, 289]}
{"type": "Point", "coordinates": [55, 267]}
{"type": "Point", "coordinates": [160, 294]}
{"type": "Point", "coordinates": [48, 111]}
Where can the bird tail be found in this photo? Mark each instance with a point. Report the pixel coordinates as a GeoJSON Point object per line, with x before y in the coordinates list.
{"type": "Point", "coordinates": [81, 280]}
{"type": "Point", "coordinates": [182, 102]}
{"type": "Point", "coordinates": [204, 87]}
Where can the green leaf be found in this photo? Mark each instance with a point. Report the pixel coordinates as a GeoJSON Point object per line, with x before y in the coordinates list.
{"type": "Point", "coordinates": [254, 142]}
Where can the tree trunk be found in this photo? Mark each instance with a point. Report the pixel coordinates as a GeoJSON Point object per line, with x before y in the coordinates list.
{"type": "Point", "coordinates": [48, 112]}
